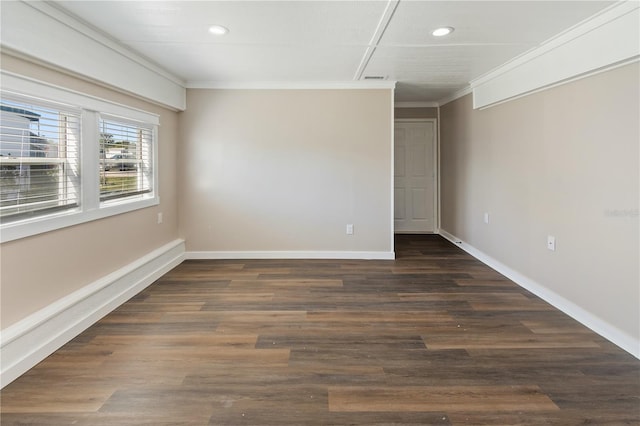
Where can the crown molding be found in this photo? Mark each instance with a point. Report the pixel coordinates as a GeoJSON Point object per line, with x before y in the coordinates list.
{"type": "Point", "coordinates": [291, 85]}
{"type": "Point", "coordinates": [416, 104]}
{"type": "Point", "coordinates": [456, 95]}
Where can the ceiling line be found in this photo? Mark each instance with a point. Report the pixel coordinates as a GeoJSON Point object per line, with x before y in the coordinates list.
{"type": "Point", "coordinates": [377, 35]}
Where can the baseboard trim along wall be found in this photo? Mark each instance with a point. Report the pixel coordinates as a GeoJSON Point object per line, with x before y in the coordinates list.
{"type": "Point", "coordinates": [355, 255]}
{"type": "Point", "coordinates": [29, 341]}
{"type": "Point", "coordinates": [603, 328]}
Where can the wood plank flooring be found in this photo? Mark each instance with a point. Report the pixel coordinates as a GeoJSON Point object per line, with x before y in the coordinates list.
{"type": "Point", "coordinates": [432, 338]}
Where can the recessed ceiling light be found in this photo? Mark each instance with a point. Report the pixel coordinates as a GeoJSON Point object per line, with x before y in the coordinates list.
{"type": "Point", "coordinates": [442, 31]}
{"type": "Point", "coordinates": [218, 30]}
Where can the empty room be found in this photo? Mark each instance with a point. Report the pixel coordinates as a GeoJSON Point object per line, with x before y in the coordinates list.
{"type": "Point", "coordinates": [373, 212]}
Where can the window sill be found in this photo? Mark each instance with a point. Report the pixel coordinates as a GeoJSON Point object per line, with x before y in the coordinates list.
{"type": "Point", "coordinates": [29, 227]}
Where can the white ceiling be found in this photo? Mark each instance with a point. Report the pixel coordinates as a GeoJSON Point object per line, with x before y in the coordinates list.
{"type": "Point", "coordinates": [334, 41]}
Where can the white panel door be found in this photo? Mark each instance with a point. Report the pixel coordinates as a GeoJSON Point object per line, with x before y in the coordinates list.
{"type": "Point", "coordinates": [414, 182]}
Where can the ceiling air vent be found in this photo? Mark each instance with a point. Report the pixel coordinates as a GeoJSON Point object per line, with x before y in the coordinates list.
{"type": "Point", "coordinates": [374, 77]}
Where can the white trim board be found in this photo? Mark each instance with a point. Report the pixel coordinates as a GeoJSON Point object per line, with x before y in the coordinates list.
{"type": "Point", "coordinates": [28, 33]}
{"type": "Point", "coordinates": [375, 38]}
{"type": "Point", "coordinates": [614, 34]}
{"type": "Point", "coordinates": [586, 318]}
{"type": "Point", "coordinates": [566, 81]}
{"type": "Point", "coordinates": [30, 340]}
{"type": "Point", "coordinates": [351, 255]}
{"type": "Point", "coordinates": [27, 86]}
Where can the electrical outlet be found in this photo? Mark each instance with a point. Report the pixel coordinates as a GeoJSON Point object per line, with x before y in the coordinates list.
{"type": "Point", "coordinates": [349, 229]}
{"type": "Point", "coordinates": [551, 242]}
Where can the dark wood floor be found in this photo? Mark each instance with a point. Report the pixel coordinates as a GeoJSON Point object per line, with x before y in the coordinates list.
{"type": "Point", "coordinates": [434, 337]}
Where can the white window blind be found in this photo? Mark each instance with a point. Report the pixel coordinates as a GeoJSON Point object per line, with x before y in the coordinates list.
{"type": "Point", "coordinates": [125, 159]}
{"type": "Point", "coordinates": [39, 158]}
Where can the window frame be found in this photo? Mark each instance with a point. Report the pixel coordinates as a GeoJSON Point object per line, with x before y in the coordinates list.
{"type": "Point", "coordinates": [111, 199]}
{"type": "Point", "coordinates": [90, 207]}
{"type": "Point", "coordinates": [66, 184]}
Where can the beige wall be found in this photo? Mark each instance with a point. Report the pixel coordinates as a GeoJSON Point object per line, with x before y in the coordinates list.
{"type": "Point", "coordinates": [422, 112]}
{"type": "Point", "coordinates": [39, 270]}
{"type": "Point", "coordinates": [560, 162]}
{"type": "Point", "coordinates": [286, 170]}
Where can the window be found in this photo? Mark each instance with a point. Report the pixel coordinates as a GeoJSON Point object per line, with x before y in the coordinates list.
{"type": "Point", "coordinates": [68, 158]}
{"type": "Point", "coordinates": [39, 161]}
{"type": "Point", "coordinates": [125, 160]}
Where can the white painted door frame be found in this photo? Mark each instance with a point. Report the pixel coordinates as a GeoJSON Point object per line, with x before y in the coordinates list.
{"type": "Point", "coordinates": [436, 166]}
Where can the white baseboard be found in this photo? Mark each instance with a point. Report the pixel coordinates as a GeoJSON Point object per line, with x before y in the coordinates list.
{"type": "Point", "coordinates": [29, 341]}
{"type": "Point", "coordinates": [363, 255]}
{"type": "Point", "coordinates": [595, 323]}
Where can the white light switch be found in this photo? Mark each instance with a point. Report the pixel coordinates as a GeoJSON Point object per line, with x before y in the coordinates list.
{"type": "Point", "coordinates": [551, 242]}
{"type": "Point", "coordinates": [160, 218]}
{"type": "Point", "coordinates": [486, 218]}
{"type": "Point", "coordinates": [349, 229]}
